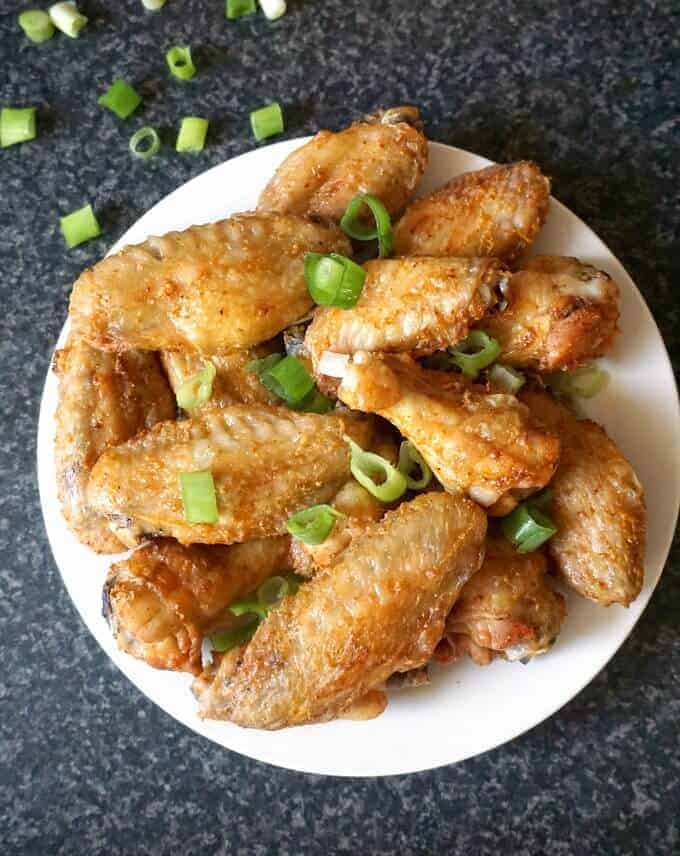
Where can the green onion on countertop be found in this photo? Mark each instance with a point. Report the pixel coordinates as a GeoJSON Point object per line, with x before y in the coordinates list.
{"type": "Point", "coordinates": [584, 382]}
{"type": "Point", "coordinates": [144, 143]}
{"type": "Point", "coordinates": [197, 389]}
{"type": "Point", "coordinates": [192, 134]}
{"type": "Point", "coordinates": [333, 280]}
{"type": "Point", "coordinates": [180, 63]}
{"type": "Point", "coordinates": [239, 8]}
{"type": "Point", "coordinates": [17, 125]}
{"type": "Point", "coordinates": [527, 527]}
{"type": "Point", "coordinates": [367, 467]}
{"type": "Point", "coordinates": [313, 525]}
{"type": "Point", "coordinates": [290, 381]}
{"type": "Point", "coordinates": [67, 18]}
{"type": "Point", "coordinates": [153, 5]}
{"type": "Point", "coordinates": [120, 98]}
{"type": "Point", "coordinates": [198, 497]}
{"type": "Point", "coordinates": [355, 226]}
{"type": "Point", "coordinates": [79, 226]}
{"type": "Point", "coordinates": [267, 121]}
{"type": "Point", "coordinates": [273, 9]}
{"type": "Point", "coordinates": [37, 25]}
{"type": "Point", "coordinates": [410, 459]}
{"type": "Point", "coordinates": [475, 353]}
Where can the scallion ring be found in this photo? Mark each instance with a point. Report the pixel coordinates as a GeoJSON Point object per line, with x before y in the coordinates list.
{"type": "Point", "coordinates": [410, 457]}
{"type": "Point", "coordinates": [197, 389]}
{"type": "Point", "coordinates": [506, 379]}
{"type": "Point", "coordinates": [367, 466]}
{"type": "Point", "coordinates": [355, 226]}
{"type": "Point", "coordinates": [527, 527]}
{"type": "Point", "coordinates": [37, 25]}
{"type": "Point", "coordinates": [239, 634]}
{"type": "Point", "coordinates": [584, 382]}
{"type": "Point", "coordinates": [198, 497]}
{"type": "Point", "coordinates": [180, 62]}
{"type": "Point", "coordinates": [17, 125]}
{"type": "Point", "coordinates": [145, 142]}
{"type": "Point", "coordinates": [313, 525]}
{"type": "Point", "coordinates": [333, 280]}
{"type": "Point", "coordinates": [475, 353]}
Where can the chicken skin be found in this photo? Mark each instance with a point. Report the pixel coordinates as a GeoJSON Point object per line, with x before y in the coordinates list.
{"type": "Point", "coordinates": [598, 507]}
{"type": "Point", "coordinates": [379, 609]}
{"type": "Point", "coordinates": [410, 304]}
{"type": "Point", "coordinates": [267, 463]}
{"type": "Point", "coordinates": [486, 445]}
{"type": "Point", "coordinates": [222, 287]}
{"type": "Point", "coordinates": [384, 155]}
{"type": "Point", "coordinates": [560, 313]}
{"type": "Point", "coordinates": [160, 601]}
{"type": "Point", "coordinates": [509, 606]}
{"type": "Point", "coordinates": [496, 211]}
{"type": "Point", "coordinates": [104, 399]}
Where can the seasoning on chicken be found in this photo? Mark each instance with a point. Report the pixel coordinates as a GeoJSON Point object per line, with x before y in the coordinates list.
{"type": "Point", "coordinates": [160, 601]}
{"type": "Point", "coordinates": [486, 445]}
{"type": "Point", "coordinates": [496, 211]}
{"type": "Point", "coordinates": [266, 463]}
{"type": "Point", "coordinates": [598, 507]}
{"type": "Point", "coordinates": [384, 155]}
{"type": "Point", "coordinates": [379, 609]}
{"type": "Point", "coordinates": [560, 313]}
{"type": "Point", "coordinates": [221, 287]}
{"type": "Point", "coordinates": [104, 399]}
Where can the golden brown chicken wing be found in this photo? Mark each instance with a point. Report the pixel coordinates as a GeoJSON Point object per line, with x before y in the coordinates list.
{"type": "Point", "coordinates": [221, 287]}
{"type": "Point", "coordinates": [104, 399]}
{"type": "Point", "coordinates": [509, 605]}
{"type": "Point", "coordinates": [484, 444]}
{"type": "Point", "coordinates": [417, 304]}
{"type": "Point", "coordinates": [598, 507]}
{"type": "Point", "coordinates": [160, 601]}
{"type": "Point", "coordinates": [560, 313]}
{"type": "Point", "coordinates": [384, 155]}
{"type": "Point", "coordinates": [380, 608]}
{"type": "Point", "coordinates": [495, 211]}
{"type": "Point", "coordinates": [266, 463]}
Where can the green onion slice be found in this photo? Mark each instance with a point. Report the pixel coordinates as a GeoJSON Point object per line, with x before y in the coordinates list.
{"type": "Point", "coordinates": [79, 226]}
{"type": "Point", "coordinates": [315, 402]}
{"type": "Point", "coordinates": [262, 366]}
{"type": "Point", "coordinates": [273, 9]}
{"type": "Point", "coordinates": [180, 63]}
{"type": "Point", "coordinates": [333, 280]}
{"type": "Point", "coordinates": [273, 591]}
{"type": "Point", "coordinates": [288, 379]}
{"type": "Point", "coordinates": [239, 8]}
{"type": "Point", "coordinates": [366, 467]}
{"type": "Point", "coordinates": [267, 121]}
{"type": "Point", "coordinates": [192, 134]}
{"type": "Point", "coordinates": [37, 25]}
{"type": "Point", "coordinates": [313, 525]}
{"type": "Point", "coordinates": [121, 99]}
{"type": "Point", "coordinates": [251, 605]}
{"type": "Point", "coordinates": [475, 353]}
{"type": "Point", "coordinates": [241, 633]}
{"type": "Point", "coordinates": [145, 142]}
{"type": "Point", "coordinates": [353, 222]}
{"type": "Point", "coordinates": [506, 379]}
{"type": "Point", "coordinates": [198, 497]}
{"type": "Point", "coordinates": [197, 389]}
{"type": "Point", "coordinates": [17, 125]}
{"type": "Point", "coordinates": [527, 527]}
{"type": "Point", "coordinates": [410, 458]}
{"type": "Point", "coordinates": [584, 382]}
{"type": "Point", "coordinates": [153, 5]}
{"type": "Point", "coordinates": [67, 18]}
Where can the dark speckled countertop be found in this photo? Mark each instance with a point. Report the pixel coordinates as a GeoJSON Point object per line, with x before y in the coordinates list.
{"type": "Point", "coordinates": [591, 90]}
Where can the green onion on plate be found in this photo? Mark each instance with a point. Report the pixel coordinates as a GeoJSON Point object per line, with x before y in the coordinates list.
{"type": "Point", "coordinates": [120, 98]}
{"type": "Point", "coordinates": [354, 225]}
{"type": "Point", "coordinates": [145, 142]}
{"type": "Point", "coordinates": [17, 125]}
{"type": "Point", "coordinates": [475, 353]}
{"type": "Point", "coordinates": [197, 389]}
{"type": "Point", "coordinates": [180, 62]}
{"type": "Point", "coordinates": [239, 634]}
{"type": "Point", "coordinates": [584, 382]}
{"type": "Point", "coordinates": [290, 381]}
{"type": "Point", "coordinates": [506, 379]}
{"type": "Point", "coordinates": [333, 280]}
{"type": "Point", "coordinates": [527, 527]}
{"type": "Point", "coordinates": [367, 468]}
{"type": "Point", "coordinates": [37, 25]}
{"type": "Point", "coordinates": [198, 497]}
{"type": "Point", "coordinates": [267, 121]}
{"type": "Point", "coordinates": [313, 525]}
{"type": "Point", "coordinates": [410, 459]}
{"type": "Point", "coordinates": [79, 226]}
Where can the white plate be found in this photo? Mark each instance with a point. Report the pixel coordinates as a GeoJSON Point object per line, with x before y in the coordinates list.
{"type": "Point", "coordinates": [466, 710]}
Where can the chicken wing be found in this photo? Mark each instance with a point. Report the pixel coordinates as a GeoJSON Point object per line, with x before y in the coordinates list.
{"type": "Point", "coordinates": [416, 304]}
{"type": "Point", "coordinates": [560, 313]}
{"type": "Point", "coordinates": [384, 155]}
{"type": "Point", "coordinates": [221, 287]}
{"type": "Point", "coordinates": [598, 507]}
{"type": "Point", "coordinates": [509, 606]}
{"type": "Point", "coordinates": [104, 399]}
{"type": "Point", "coordinates": [380, 608]}
{"type": "Point", "coordinates": [495, 211]}
{"type": "Point", "coordinates": [160, 601]}
{"type": "Point", "coordinates": [267, 463]}
{"type": "Point", "coordinates": [483, 444]}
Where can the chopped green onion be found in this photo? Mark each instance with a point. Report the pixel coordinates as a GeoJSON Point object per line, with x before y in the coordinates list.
{"type": "Point", "coordinates": [333, 280]}
{"type": "Point", "coordinates": [273, 9]}
{"type": "Point", "coordinates": [79, 226]}
{"type": "Point", "coordinates": [197, 389]}
{"type": "Point", "coordinates": [198, 497]}
{"type": "Point", "coordinates": [67, 18]}
{"type": "Point", "coordinates": [475, 353]}
{"type": "Point", "coordinates": [410, 457]}
{"type": "Point", "coordinates": [290, 380]}
{"type": "Point", "coordinates": [527, 527]}
{"type": "Point", "coordinates": [244, 607]}
{"type": "Point", "coordinates": [584, 382]}
{"type": "Point", "coordinates": [506, 378]}
{"type": "Point", "coordinates": [153, 5]}
{"type": "Point", "coordinates": [241, 633]}
{"type": "Point", "coordinates": [313, 525]}
{"type": "Point", "coordinates": [273, 591]}
{"type": "Point", "coordinates": [267, 121]}
{"type": "Point", "coordinates": [180, 63]}
{"type": "Point", "coordinates": [17, 125]}
{"type": "Point", "coordinates": [192, 133]}
{"type": "Point", "coordinates": [354, 225]}
{"type": "Point", "coordinates": [37, 25]}
{"type": "Point", "coordinates": [315, 402]}
{"type": "Point", "coordinates": [367, 466]}
{"type": "Point", "coordinates": [239, 8]}
{"type": "Point", "coordinates": [262, 366]}
{"type": "Point", "coordinates": [145, 142]}
{"type": "Point", "coordinates": [121, 99]}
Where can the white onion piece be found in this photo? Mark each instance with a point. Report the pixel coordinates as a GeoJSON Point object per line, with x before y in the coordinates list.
{"type": "Point", "coordinates": [273, 9]}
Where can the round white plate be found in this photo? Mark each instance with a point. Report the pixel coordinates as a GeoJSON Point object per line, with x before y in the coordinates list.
{"type": "Point", "coordinates": [466, 709]}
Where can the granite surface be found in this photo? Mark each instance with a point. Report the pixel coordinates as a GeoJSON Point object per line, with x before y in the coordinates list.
{"type": "Point", "coordinates": [590, 90]}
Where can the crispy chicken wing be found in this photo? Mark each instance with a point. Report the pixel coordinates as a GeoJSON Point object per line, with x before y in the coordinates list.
{"type": "Point", "coordinates": [379, 609]}
{"type": "Point", "coordinates": [221, 287]}
{"type": "Point", "coordinates": [104, 399]}
{"type": "Point", "coordinates": [561, 312]}
{"type": "Point", "coordinates": [598, 506]}
{"type": "Point", "coordinates": [267, 463]}
{"type": "Point", "coordinates": [409, 304]}
{"type": "Point", "coordinates": [385, 155]}
{"type": "Point", "coordinates": [509, 605]}
{"type": "Point", "coordinates": [160, 601]}
{"type": "Point", "coordinates": [495, 211]}
{"type": "Point", "coordinates": [484, 444]}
